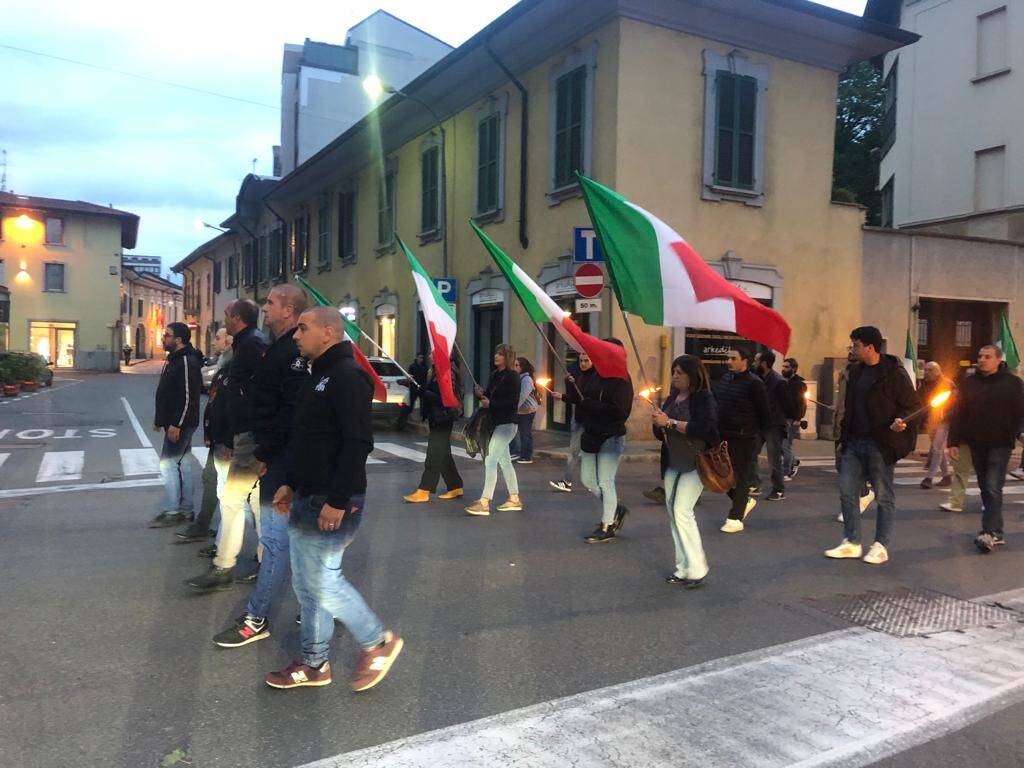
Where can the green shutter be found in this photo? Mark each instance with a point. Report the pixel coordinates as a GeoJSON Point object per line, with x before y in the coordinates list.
{"type": "Point", "coordinates": [735, 130]}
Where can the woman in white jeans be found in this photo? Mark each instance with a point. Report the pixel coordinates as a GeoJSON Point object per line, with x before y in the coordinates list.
{"type": "Point", "coordinates": [688, 422]}
{"type": "Point", "coordinates": [501, 398]}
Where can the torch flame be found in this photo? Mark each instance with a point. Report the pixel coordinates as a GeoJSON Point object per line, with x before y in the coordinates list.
{"type": "Point", "coordinates": [940, 398]}
{"type": "Point", "coordinates": [807, 394]}
{"type": "Point", "coordinates": [543, 382]}
{"type": "Point", "coordinates": [646, 393]}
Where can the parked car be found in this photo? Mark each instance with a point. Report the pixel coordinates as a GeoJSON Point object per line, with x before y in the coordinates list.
{"type": "Point", "coordinates": [208, 372]}
{"type": "Point", "coordinates": [46, 375]}
{"type": "Point", "coordinates": [394, 380]}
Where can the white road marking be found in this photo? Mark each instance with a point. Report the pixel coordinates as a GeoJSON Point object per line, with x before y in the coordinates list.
{"type": "Point", "coordinates": [139, 461]}
{"type": "Point", "coordinates": [401, 451]}
{"type": "Point", "coordinates": [139, 431]}
{"type": "Point", "coordinates": [794, 704]}
{"type": "Point", "coordinates": [4, 457]}
{"type": "Point", "coordinates": [61, 466]}
{"type": "Point", "coordinates": [202, 453]}
{"type": "Point", "coordinates": [140, 483]}
{"type": "Point", "coordinates": [458, 451]}
{"type": "Point", "coordinates": [371, 460]}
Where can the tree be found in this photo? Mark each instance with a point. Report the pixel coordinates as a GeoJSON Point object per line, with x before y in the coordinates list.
{"type": "Point", "coordinates": [859, 110]}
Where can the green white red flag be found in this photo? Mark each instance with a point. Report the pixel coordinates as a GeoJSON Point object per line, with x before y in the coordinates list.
{"type": "Point", "coordinates": [439, 317]}
{"type": "Point", "coordinates": [609, 359]}
{"type": "Point", "coordinates": [352, 334]}
{"type": "Point", "coordinates": [658, 276]}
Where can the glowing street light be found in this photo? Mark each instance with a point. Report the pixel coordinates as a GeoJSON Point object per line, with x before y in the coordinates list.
{"type": "Point", "coordinates": [23, 222]}
{"type": "Point", "coordinates": [375, 87]}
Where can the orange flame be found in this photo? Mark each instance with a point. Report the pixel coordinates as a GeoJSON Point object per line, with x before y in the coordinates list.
{"type": "Point", "coordinates": [939, 399]}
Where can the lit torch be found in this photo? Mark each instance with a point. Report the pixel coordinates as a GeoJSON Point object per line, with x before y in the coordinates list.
{"type": "Point", "coordinates": [646, 394]}
{"type": "Point", "coordinates": [809, 399]}
{"type": "Point", "coordinates": [544, 383]}
{"type": "Point", "coordinates": [936, 402]}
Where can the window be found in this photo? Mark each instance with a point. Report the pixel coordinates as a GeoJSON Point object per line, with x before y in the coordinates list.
{"type": "Point", "coordinates": [139, 313]}
{"type": "Point", "coordinates": [323, 234]}
{"type": "Point", "coordinates": [262, 260]}
{"type": "Point", "coordinates": [386, 210]}
{"type": "Point", "coordinates": [53, 277]}
{"type": "Point", "coordinates": [54, 231]}
{"type": "Point", "coordinates": [488, 164]}
{"type": "Point", "coordinates": [216, 276]}
{"type": "Point", "coordinates": [300, 243]}
{"type": "Point", "coordinates": [124, 305]}
{"type": "Point", "coordinates": [990, 179]}
{"type": "Point", "coordinates": [232, 280]}
{"type": "Point", "coordinates": [888, 128]}
{"type": "Point", "coordinates": [277, 258]}
{"type": "Point", "coordinates": [963, 333]}
{"type": "Point", "coordinates": [734, 90]}
{"type": "Point", "coordinates": [347, 226]}
{"type": "Point", "coordinates": [249, 264]}
{"type": "Point", "coordinates": [886, 215]}
{"type": "Point", "coordinates": [569, 117]}
{"type": "Point", "coordinates": [430, 168]}
{"type": "Point", "coordinates": [992, 43]}
{"type": "Point", "coordinates": [209, 289]}
{"type": "Point", "coordinates": [922, 332]}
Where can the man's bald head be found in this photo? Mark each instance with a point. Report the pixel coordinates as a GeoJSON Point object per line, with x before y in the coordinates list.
{"type": "Point", "coordinates": [319, 329]}
{"type": "Point", "coordinates": [282, 307]}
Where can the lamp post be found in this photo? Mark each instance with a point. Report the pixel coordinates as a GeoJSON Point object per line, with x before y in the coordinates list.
{"type": "Point", "coordinates": [374, 88]}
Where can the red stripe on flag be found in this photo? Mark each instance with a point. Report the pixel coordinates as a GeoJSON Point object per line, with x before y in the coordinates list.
{"type": "Point", "coordinates": [753, 319]}
{"type": "Point", "coordinates": [609, 359]}
{"type": "Point", "coordinates": [380, 392]}
{"type": "Point", "coordinates": [443, 366]}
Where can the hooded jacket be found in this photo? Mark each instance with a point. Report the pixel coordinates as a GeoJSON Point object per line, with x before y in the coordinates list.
{"type": "Point", "coordinates": [179, 388]}
{"type": "Point", "coordinates": [891, 396]}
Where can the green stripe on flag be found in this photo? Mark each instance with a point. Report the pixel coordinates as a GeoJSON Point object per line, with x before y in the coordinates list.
{"type": "Point", "coordinates": [351, 328]}
{"type": "Point", "coordinates": [1006, 343]}
{"type": "Point", "coordinates": [508, 268]}
{"type": "Point", "coordinates": [417, 268]}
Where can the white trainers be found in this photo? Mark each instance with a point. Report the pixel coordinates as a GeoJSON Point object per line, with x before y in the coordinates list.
{"type": "Point", "coordinates": [865, 501]}
{"type": "Point", "coordinates": [844, 550]}
{"type": "Point", "coordinates": [877, 555]}
{"type": "Point", "coordinates": [751, 503]}
{"type": "Point", "coordinates": [950, 508]}
{"type": "Point", "coordinates": [732, 526]}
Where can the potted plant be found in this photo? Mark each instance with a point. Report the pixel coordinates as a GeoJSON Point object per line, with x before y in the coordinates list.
{"type": "Point", "coordinates": [7, 379]}
{"type": "Point", "coordinates": [25, 369]}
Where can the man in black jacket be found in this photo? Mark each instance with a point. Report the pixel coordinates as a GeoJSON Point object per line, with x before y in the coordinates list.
{"type": "Point", "coordinates": [325, 496]}
{"type": "Point", "coordinates": [778, 423]}
{"type": "Point", "coordinates": [988, 417]}
{"type": "Point", "coordinates": [796, 405]}
{"type": "Point", "coordinates": [873, 437]}
{"type": "Point", "coordinates": [177, 412]}
{"type": "Point", "coordinates": [278, 377]}
{"type": "Point", "coordinates": [240, 318]}
{"type": "Point", "coordinates": [742, 416]}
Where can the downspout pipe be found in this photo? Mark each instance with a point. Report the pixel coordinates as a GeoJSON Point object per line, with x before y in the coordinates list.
{"type": "Point", "coordinates": [524, 121]}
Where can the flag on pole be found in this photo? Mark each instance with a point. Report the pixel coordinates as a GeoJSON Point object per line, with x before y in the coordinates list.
{"type": "Point", "coordinates": [439, 317]}
{"type": "Point", "coordinates": [910, 359]}
{"type": "Point", "coordinates": [352, 333]}
{"type": "Point", "coordinates": [658, 276]}
{"type": "Point", "coordinates": [1010, 354]}
{"type": "Point", "coordinates": [609, 359]}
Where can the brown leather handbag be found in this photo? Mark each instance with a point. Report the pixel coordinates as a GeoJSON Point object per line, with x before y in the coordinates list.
{"type": "Point", "coordinates": [715, 468]}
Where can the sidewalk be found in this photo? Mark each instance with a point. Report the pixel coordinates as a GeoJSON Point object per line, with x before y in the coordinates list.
{"type": "Point", "coordinates": [144, 367]}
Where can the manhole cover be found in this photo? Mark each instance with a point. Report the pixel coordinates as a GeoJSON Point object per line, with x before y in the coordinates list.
{"type": "Point", "coordinates": [912, 612]}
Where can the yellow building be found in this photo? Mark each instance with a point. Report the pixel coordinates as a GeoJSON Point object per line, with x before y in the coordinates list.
{"type": "Point", "coordinates": [61, 261]}
{"type": "Point", "coordinates": [148, 303]}
{"type": "Point", "coordinates": [720, 121]}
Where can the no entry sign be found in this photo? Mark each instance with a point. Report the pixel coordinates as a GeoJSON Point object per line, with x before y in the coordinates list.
{"type": "Point", "coordinates": [589, 280]}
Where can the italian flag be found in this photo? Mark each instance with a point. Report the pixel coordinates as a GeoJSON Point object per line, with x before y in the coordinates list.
{"type": "Point", "coordinates": [609, 359]}
{"type": "Point", "coordinates": [440, 320]}
{"type": "Point", "coordinates": [658, 276]}
{"type": "Point", "coordinates": [352, 334]}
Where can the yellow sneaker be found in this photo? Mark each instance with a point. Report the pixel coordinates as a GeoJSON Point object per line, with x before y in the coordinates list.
{"type": "Point", "coordinates": [419, 496]}
{"type": "Point", "coordinates": [452, 494]}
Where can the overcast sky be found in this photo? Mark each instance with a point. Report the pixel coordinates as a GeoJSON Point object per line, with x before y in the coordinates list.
{"type": "Point", "coordinates": [171, 155]}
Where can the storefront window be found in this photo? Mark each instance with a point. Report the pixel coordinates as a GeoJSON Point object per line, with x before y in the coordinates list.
{"type": "Point", "coordinates": [55, 342]}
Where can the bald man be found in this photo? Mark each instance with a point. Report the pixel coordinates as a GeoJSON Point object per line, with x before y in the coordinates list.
{"type": "Point", "coordinates": [937, 424]}
{"type": "Point", "coordinates": [324, 500]}
{"type": "Point", "coordinates": [278, 377]}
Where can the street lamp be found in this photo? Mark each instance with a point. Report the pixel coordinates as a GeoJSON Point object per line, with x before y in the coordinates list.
{"type": "Point", "coordinates": [200, 225]}
{"type": "Point", "coordinates": [375, 88]}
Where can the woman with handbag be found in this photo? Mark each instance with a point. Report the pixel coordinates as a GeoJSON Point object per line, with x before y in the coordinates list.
{"type": "Point", "coordinates": [439, 462]}
{"type": "Point", "coordinates": [603, 405]}
{"type": "Point", "coordinates": [688, 422]}
{"type": "Point", "coordinates": [501, 400]}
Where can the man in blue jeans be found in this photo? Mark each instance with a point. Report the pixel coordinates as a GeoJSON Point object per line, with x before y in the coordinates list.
{"type": "Point", "coordinates": [988, 416]}
{"type": "Point", "coordinates": [873, 437]}
{"type": "Point", "coordinates": [325, 498]}
{"type": "Point", "coordinates": [177, 413]}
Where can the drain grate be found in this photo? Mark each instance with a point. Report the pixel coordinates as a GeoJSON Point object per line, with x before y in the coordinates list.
{"type": "Point", "coordinates": [912, 612]}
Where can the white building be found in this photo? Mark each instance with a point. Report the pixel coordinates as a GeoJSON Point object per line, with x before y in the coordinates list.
{"type": "Point", "coordinates": [321, 84]}
{"type": "Point", "coordinates": [953, 161]}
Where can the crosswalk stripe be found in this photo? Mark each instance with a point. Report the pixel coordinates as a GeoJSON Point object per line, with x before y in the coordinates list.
{"type": "Point", "coordinates": [139, 461]}
{"type": "Point", "coordinates": [371, 460]}
{"type": "Point", "coordinates": [3, 458]}
{"type": "Point", "coordinates": [401, 451]}
{"type": "Point", "coordinates": [60, 466]}
{"type": "Point", "coordinates": [458, 451]}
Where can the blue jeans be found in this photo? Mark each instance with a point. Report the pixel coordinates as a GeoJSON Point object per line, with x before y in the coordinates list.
{"type": "Point", "coordinates": [522, 443]}
{"type": "Point", "coordinates": [861, 460]}
{"type": "Point", "coordinates": [789, 459]}
{"type": "Point", "coordinates": [498, 456]}
{"type": "Point", "coordinates": [177, 473]}
{"type": "Point", "coordinates": [320, 586]}
{"type": "Point", "coordinates": [575, 432]}
{"type": "Point", "coordinates": [990, 465]}
{"type": "Point", "coordinates": [597, 471]}
{"type": "Point", "coordinates": [774, 437]}
{"type": "Point", "coordinates": [273, 538]}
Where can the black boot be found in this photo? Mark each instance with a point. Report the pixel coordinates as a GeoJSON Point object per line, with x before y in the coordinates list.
{"type": "Point", "coordinates": [214, 579]}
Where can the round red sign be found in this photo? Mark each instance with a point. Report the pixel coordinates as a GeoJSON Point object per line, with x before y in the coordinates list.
{"type": "Point", "coordinates": [589, 280]}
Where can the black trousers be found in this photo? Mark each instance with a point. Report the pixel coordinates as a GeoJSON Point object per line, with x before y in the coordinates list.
{"type": "Point", "coordinates": [743, 453]}
{"type": "Point", "coordinates": [439, 461]}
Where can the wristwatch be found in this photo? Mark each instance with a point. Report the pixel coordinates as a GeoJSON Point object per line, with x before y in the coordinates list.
{"type": "Point", "coordinates": [673, 424]}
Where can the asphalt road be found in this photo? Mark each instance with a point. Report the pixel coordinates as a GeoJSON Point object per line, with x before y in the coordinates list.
{"type": "Point", "coordinates": [106, 659]}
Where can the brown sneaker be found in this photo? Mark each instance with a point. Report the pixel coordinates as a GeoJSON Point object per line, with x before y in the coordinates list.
{"type": "Point", "coordinates": [482, 507]}
{"type": "Point", "coordinates": [512, 505]}
{"type": "Point", "coordinates": [298, 675]}
{"type": "Point", "coordinates": [945, 482]}
{"type": "Point", "coordinates": [374, 663]}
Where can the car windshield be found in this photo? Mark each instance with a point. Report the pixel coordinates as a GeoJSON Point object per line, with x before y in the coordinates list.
{"type": "Point", "coordinates": [386, 368]}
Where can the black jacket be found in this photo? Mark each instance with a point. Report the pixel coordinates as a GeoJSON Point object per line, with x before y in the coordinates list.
{"type": "Point", "coordinates": [778, 399]}
{"type": "Point", "coordinates": [216, 423]}
{"type": "Point", "coordinates": [503, 392]}
{"type": "Point", "coordinates": [989, 410]}
{"type": "Point", "coordinates": [703, 422]}
{"type": "Point", "coordinates": [605, 405]}
{"type": "Point", "coordinates": [179, 388]}
{"type": "Point", "coordinates": [797, 402]}
{"type": "Point", "coordinates": [572, 396]}
{"type": "Point", "coordinates": [432, 408]}
{"type": "Point", "coordinates": [742, 405]}
{"type": "Point", "coordinates": [332, 433]}
{"type": "Point", "coordinates": [892, 396]}
{"type": "Point", "coordinates": [276, 384]}
{"type": "Point", "coordinates": [246, 350]}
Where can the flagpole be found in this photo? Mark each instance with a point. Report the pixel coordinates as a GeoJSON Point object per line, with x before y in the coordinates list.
{"type": "Point", "coordinates": [389, 357]}
{"type": "Point", "coordinates": [556, 356]}
{"type": "Point", "coordinates": [463, 359]}
{"type": "Point", "coordinates": [636, 351]}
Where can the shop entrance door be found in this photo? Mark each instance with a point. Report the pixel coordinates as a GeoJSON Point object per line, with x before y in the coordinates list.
{"type": "Point", "coordinates": [55, 342]}
{"type": "Point", "coordinates": [559, 412]}
{"type": "Point", "coordinates": [488, 323]}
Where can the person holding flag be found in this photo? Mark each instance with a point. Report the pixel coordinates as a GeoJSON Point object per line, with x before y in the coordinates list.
{"type": "Point", "coordinates": [439, 462]}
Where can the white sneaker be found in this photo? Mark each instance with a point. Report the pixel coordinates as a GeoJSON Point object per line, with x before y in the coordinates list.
{"type": "Point", "coordinates": [950, 508]}
{"type": "Point", "coordinates": [1017, 474]}
{"type": "Point", "coordinates": [840, 518]}
{"type": "Point", "coordinates": [751, 503]}
{"type": "Point", "coordinates": [877, 555]}
{"type": "Point", "coordinates": [865, 501]}
{"type": "Point", "coordinates": [732, 526]}
{"type": "Point", "coordinates": [844, 550]}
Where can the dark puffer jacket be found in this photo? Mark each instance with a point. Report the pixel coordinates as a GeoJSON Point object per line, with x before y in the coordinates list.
{"type": "Point", "coordinates": [742, 405]}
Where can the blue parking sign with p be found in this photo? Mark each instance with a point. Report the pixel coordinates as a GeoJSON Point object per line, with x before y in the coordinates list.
{"type": "Point", "coordinates": [447, 287]}
{"type": "Point", "coordinates": [585, 246]}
